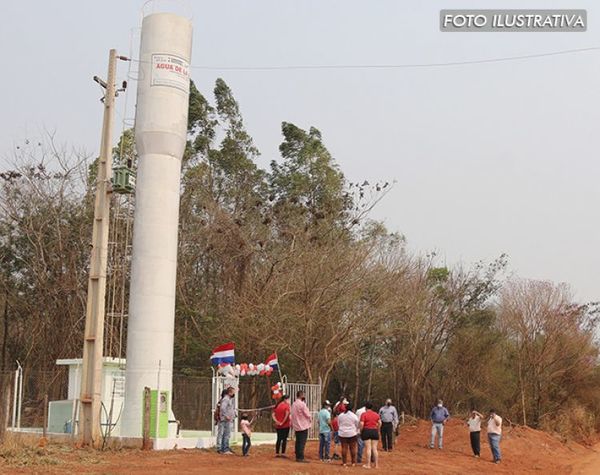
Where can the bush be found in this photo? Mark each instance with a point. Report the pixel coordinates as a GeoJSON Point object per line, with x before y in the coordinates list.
{"type": "Point", "coordinates": [574, 422]}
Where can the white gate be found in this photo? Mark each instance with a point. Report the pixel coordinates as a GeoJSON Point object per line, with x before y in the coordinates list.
{"type": "Point", "coordinates": [312, 392]}
{"type": "Point", "coordinates": [219, 383]}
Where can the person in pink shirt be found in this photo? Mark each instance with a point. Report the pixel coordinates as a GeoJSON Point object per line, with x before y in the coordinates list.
{"type": "Point", "coordinates": [246, 428]}
{"type": "Point", "coordinates": [301, 422]}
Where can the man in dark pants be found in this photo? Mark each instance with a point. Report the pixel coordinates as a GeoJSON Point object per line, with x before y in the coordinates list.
{"type": "Point", "coordinates": [301, 438]}
{"type": "Point", "coordinates": [474, 423]}
{"type": "Point", "coordinates": [301, 422]}
{"type": "Point", "coordinates": [389, 422]}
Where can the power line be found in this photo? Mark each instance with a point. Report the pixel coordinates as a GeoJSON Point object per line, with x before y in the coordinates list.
{"type": "Point", "coordinates": [390, 66]}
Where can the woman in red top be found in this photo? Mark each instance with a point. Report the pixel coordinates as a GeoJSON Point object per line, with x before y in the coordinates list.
{"type": "Point", "coordinates": [370, 422]}
{"type": "Point", "coordinates": [281, 418]}
{"type": "Point", "coordinates": [335, 425]}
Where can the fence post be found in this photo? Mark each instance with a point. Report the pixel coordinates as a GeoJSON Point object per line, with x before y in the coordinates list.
{"type": "Point", "coordinates": [15, 396]}
{"type": "Point", "coordinates": [146, 445]}
{"type": "Point", "coordinates": [45, 428]}
{"type": "Point", "coordinates": [402, 417]}
{"type": "Point", "coordinates": [7, 402]}
{"type": "Point", "coordinates": [20, 396]}
{"type": "Point", "coordinates": [4, 411]}
{"type": "Point", "coordinates": [74, 418]}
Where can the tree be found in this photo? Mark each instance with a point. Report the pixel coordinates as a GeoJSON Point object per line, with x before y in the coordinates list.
{"type": "Point", "coordinates": [44, 253]}
{"type": "Point", "coordinates": [552, 344]}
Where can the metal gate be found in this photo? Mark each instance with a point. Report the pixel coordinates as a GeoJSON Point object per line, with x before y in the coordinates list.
{"type": "Point", "coordinates": [312, 392]}
{"type": "Point", "coordinates": [219, 383]}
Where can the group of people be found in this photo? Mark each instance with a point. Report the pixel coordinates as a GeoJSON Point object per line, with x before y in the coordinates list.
{"type": "Point", "coordinates": [439, 415]}
{"type": "Point", "coordinates": [357, 432]}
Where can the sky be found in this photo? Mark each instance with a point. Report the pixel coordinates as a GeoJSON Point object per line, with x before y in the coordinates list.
{"type": "Point", "coordinates": [487, 158]}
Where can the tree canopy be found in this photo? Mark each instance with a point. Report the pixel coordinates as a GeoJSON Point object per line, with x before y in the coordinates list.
{"type": "Point", "coordinates": [287, 259]}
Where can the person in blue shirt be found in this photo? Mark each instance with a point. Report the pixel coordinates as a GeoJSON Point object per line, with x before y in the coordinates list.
{"type": "Point", "coordinates": [325, 431]}
{"type": "Point", "coordinates": [439, 415]}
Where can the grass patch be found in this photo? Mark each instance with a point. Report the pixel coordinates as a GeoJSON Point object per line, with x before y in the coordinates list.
{"type": "Point", "coordinates": [20, 455]}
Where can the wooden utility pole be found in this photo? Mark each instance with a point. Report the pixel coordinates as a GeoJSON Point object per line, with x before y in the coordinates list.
{"type": "Point", "coordinates": [91, 376]}
{"type": "Point", "coordinates": [45, 428]}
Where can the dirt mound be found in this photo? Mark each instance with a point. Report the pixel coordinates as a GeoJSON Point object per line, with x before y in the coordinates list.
{"type": "Point", "coordinates": [524, 451]}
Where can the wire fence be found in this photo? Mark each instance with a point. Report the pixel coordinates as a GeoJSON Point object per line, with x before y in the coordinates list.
{"type": "Point", "coordinates": [6, 379]}
{"type": "Point", "coordinates": [23, 407]}
{"type": "Point", "coordinates": [36, 385]}
{"type": "Point", "coordinates": [23, 393]}
{"type": "Point", "coordinates": [192, 402]}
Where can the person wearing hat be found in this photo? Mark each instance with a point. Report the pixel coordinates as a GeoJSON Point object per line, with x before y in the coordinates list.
{"type": "Point", "coordinates": [340, 406]}
{"type": "Point", "coordinates": [389, 422]}
{"type": "Point", "coordinates": [324, 431]}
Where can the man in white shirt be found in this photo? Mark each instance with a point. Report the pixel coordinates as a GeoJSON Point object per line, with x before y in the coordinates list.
{"type": "Point", "coordinates": [494, 432]}
{"type": "Point", "coordinates": [474, 423]}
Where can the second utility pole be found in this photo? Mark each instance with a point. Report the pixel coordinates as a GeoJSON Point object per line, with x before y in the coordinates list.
{"type": "Point", "coordinates": [91, 376]}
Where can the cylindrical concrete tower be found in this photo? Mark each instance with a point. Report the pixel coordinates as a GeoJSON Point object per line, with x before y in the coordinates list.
{"type": "Point", "coordinates": [160, 135]}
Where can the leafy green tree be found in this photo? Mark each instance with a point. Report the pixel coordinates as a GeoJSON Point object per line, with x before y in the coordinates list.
{"type": "Point", "coordinates": [308, 178]}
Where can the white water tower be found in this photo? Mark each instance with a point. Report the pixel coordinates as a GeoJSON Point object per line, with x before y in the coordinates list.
{"type": "Point", "coordinates": [160, 135]}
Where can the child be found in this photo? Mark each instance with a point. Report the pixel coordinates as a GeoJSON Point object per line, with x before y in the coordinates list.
{"type": "Point", "coordinates": [336, 439]}
{"type": "Point", "coordinates": [246, 427]}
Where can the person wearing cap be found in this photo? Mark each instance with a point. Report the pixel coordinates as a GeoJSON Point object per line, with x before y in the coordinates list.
{"type": "Point", "coordinates": [389, 422]}
{"type": "Point", "coordinates": [494, 433]}
{"type": "Point", "coordinates": [340, 406]}
{"type": "Point", "coordinates": [324, 431]}
{"type": "Point", "coordinates": [439, 415]}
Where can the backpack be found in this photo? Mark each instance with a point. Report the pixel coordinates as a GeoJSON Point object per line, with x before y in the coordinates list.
{"type": "Point", "coordinates": [218, 413]}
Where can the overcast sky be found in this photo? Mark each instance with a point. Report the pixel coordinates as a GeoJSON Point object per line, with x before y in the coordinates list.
{"type": "Point", "coordinates": [489, 158]}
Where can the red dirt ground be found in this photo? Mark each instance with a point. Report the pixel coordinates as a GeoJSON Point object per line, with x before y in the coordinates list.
{"type": "Point", "coordinates": [524, 450]}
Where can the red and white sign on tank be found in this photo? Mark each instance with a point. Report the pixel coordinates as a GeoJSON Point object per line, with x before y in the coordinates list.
{"type": "Point", "coordinates": [171, 71]}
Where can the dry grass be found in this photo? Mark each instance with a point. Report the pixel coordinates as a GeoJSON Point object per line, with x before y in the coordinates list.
{"type": "Point", "coordinates": [19, 453]}
{"type": "Point", "coordinates": [573, 423]}
{"type": "Point", "coordinates": [16, 451]}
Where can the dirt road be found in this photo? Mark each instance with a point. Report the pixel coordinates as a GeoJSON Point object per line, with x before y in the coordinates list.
{"type": "Point", "coordinates": [589, 464]}
{"type": "Point", "coordinates": [525, 451]}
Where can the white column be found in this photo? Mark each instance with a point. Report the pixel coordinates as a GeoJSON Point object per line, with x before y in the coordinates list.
{"type": "Point", "coordinates": [160, 134]}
